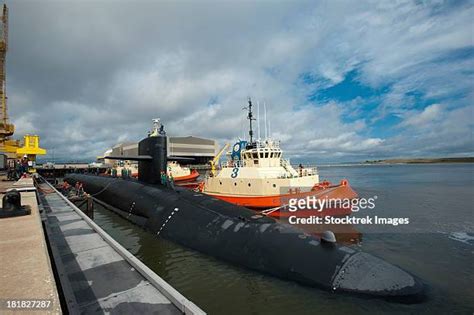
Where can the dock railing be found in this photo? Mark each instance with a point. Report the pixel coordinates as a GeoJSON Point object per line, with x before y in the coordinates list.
{"type": "Point", "coordinates": [181, 302]}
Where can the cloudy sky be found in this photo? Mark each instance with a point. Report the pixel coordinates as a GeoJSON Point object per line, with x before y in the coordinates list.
{"type": "Point", "coordinates": [341, 80]}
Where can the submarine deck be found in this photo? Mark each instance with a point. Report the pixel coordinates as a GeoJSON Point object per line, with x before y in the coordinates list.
{"type": "Point", "coordinates": [96, 273]}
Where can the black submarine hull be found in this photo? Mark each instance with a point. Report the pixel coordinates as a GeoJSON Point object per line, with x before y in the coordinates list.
{"type": "Point", "coordinates": [237, 235]}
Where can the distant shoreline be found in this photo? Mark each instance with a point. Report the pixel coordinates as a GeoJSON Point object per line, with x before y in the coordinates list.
{"type": "Point", "coordinates": [422, 161]}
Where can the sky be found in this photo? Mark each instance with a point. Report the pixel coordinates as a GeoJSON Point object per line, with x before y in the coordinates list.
{"type": "Point", "coordinates": [341, 80]}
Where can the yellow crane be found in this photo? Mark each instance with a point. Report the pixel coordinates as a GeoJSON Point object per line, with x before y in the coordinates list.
{"type": "Point", "coordinates": [9, 146]}
{"type": "Point", "coordinates": [216, 159]}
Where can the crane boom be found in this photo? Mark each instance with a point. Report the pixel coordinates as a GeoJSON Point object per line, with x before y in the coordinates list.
{"type": "Point", "coordinates": [6, 129]}
{"type": "Point", "coordinates": [216, 159]}
{"type": "Point", "coordinates": [10, 147]}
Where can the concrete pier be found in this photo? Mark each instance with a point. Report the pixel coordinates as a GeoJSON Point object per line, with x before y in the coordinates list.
{"type": "Point", "coordinates": [96, 273]}
{"type": "Point", "coordinates": [25, 267]}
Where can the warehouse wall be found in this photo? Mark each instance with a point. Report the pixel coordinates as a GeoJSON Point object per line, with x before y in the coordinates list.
{"type": "Point", "coordinates": [200, 149]}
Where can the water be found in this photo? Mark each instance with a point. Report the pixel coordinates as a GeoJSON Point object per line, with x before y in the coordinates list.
{"type": "Point", "coordinates": [437, 246]}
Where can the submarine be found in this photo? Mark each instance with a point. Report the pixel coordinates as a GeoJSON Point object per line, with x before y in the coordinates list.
{"type": "Point", "coordinates": [240, 236]}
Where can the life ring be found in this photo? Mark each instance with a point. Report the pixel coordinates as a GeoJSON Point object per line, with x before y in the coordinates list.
{"type": "Point", "coordinates": [237, 147]}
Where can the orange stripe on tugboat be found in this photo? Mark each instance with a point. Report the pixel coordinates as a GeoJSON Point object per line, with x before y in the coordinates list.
{"type": "Point", "coordinates": [187, 178]}
{"type": "Point", "coordinates": [328, 191]}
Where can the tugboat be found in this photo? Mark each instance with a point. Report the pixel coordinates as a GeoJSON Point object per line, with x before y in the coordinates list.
{"type": "Point", "coordinates": [181, 173]}
{"type": "Point", "coordinates": [178, 172]}
{"type": "Point", "coordinates": [257, 176]}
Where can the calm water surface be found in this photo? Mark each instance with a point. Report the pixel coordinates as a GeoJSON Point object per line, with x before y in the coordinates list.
{"type": "Point", "coordinates": [437, 246]}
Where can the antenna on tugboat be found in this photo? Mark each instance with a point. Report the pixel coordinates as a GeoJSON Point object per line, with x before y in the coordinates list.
{"type": "Point", "coordinates": [269, 130]}
{"type": "Point", "coordinates": [250, 118]}
{"type": "Point", "coordinates": [265, 119]}
{"type": "Point", "coordinates": [258, 120]}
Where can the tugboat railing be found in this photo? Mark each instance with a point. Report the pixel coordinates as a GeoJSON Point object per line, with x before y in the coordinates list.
{"type": "Point", "coordinates": [232, 164]}
{"type": "Point", "coordinates": [267, 143]}
{"type": "Point", "coordinates": [307, 170]}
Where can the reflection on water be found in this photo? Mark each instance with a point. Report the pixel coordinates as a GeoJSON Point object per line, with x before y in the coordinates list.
{"type": "Point", "coordinates": [440, 252]}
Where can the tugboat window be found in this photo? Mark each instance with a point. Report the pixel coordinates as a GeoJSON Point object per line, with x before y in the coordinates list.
{"type": "Point", "coordinates": [249, 185]}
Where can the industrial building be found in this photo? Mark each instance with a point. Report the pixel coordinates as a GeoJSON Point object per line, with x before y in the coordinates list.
{"type": "Point", "coordinates": [195, 150]}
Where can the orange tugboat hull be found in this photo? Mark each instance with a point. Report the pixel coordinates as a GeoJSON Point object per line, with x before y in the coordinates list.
{"type": "Point", "coordinates": [188, 178]}
{"type": "Point", "coordinates": [343, 191]}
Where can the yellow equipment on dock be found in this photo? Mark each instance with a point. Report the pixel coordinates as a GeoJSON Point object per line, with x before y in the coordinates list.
{"type": "Point", "coordinates": [10, 147]}
{"type": "Point", "coordinates": [30, 146]}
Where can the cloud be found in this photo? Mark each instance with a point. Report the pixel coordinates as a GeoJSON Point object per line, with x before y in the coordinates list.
{"type": "Point", "coordinates": [350, 142]}
{"type": "Point", "coordinates": [436, 129]}
{"type": "Point", "coordinates": [86, 75]}
{"type": "Point", "coordinates": [422, 118]}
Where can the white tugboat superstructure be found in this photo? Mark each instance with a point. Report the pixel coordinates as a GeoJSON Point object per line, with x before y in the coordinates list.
{"type": "Point", "coordinates": [256, 175]}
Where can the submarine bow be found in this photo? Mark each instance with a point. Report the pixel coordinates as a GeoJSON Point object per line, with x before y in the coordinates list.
{"type": "Point", "coordinates": [242, 237]}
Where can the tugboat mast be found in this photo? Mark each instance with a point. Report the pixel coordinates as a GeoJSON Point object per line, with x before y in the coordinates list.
{"type": "Point", "coordinates": [250, 118]}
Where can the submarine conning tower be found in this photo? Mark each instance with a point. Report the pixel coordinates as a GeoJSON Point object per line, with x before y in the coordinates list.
{"type": "Point", "coordinates": [154, 146]}
{"type": "Point", "coordinates": [152, 155]}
